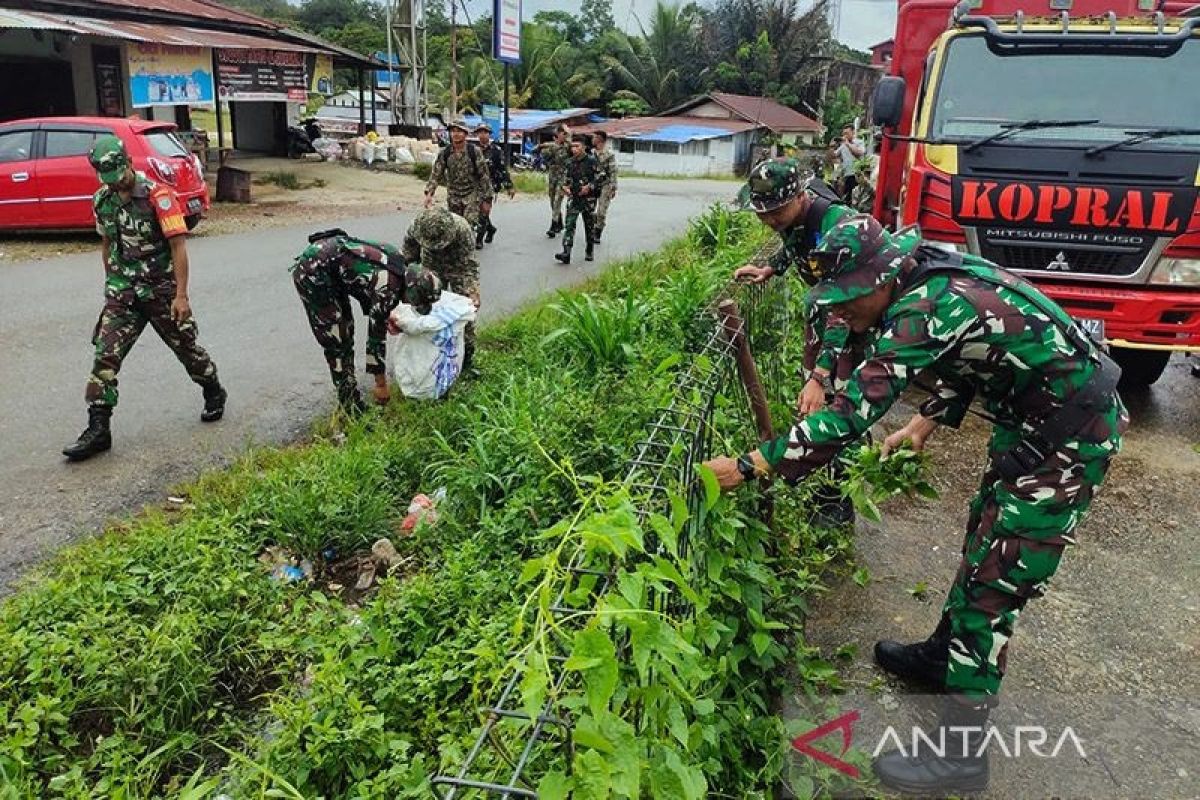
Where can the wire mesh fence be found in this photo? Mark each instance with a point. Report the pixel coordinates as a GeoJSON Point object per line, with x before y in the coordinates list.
{"type": "Point", "coordinates": [511, 748]}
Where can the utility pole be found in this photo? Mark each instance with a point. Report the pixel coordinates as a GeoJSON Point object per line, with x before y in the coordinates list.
{"type": "Point", "coordinates": [453, 58]}
{"type": "Point", "coordinates": [409, 91]}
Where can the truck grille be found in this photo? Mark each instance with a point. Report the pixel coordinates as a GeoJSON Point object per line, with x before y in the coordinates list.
{"type": "Point", "coordinates": [1039, 259]}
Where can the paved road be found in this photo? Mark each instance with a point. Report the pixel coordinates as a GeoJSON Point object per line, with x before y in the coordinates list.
{"type": "Point", "coordinates": [252, 324]}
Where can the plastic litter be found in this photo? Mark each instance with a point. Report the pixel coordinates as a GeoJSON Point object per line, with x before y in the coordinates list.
{"type": "Point", "coordinates": [423, 508]}
{"type": "Point", "coordinates": [286, 567]}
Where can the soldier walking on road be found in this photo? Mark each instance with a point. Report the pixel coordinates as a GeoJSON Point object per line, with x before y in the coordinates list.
{"type": "Point", "coordinates": [556, 154]}
{"type": "Point", "coordinates": [501, 181]}
{"type": "Point", "coordinates": [976, 331]}
{"type": "Point", "coordinates": [608, 165]}
{"type": "Point", "coordinates": [462, 168]}
{"type": "Point", "coordinates": [336, 267]}
{"type": "Point", "coordinates": [142, 245]}
{"type": "Point", "coordinates": [445, 244]}
{"type": "Point", "coordinates": [583, 182]}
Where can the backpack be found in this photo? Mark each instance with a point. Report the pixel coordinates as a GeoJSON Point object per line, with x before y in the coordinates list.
{"type": "Point", "coordinates": [472, 156]}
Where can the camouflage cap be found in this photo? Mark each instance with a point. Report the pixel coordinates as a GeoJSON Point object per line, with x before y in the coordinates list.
{"type": "Point", "coordinates": [458, 122]}
{"type": "Point", "coordinates": [434, 229]}
{"type": "Point", "coordinates": [773, 183]}
{"type": "Point", "coordinates": [483, 126]}
{"type": "Point", "coordinates": [855, 258]}
{"type": "Point", "coordinates": [422, 288]}
{"type": "Point", "coordinates": [109, 159]}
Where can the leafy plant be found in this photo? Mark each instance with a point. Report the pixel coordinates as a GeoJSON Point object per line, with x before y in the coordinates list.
{"type": "Point", "coordinates": [874, 478]}
{"type": "Point", "coordinates": [601, 333]}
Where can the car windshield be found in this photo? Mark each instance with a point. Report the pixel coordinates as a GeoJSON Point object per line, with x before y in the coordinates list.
{"type": "Point", "coordinates": [165, 143]}
{"type": "Point", "coordinates": [981, 91]}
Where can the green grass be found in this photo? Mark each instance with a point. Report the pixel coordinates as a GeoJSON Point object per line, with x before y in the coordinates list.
{"type": "Point", "coordinates": [529, 182]}
{"type": "Point", "coordinates": [288, 180]}
{"type": "Point", "coordinates": [160, 659]}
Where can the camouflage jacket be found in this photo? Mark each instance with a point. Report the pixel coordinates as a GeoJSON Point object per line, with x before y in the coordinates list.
{"type": "Point", "coordinates": [138, 232]}
{"type": "Point", "coordinates": [581, 172]}
{"type": "Point", "coordinates": [556, 157]}
{"type": "Point", "coordinates": [501, 180]}
{"type": "Point", "coordinates": [608, 165]}
{"type": "Point", "coordinates": [463, 174]}
{"type": "Point", "coordinates": [795, 244]}
{"type": "Point", "coordinates": [969, 337]}
{"type": "Point", "coordinates": [457, 259]}
{"type": "Point", "coordinates": [372, 272]}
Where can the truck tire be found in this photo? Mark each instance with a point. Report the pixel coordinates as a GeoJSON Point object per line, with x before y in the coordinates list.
{"type": "Point", "coordinates": [192, 220]}
{"type": "Point", "coordinates": [1140, 368]}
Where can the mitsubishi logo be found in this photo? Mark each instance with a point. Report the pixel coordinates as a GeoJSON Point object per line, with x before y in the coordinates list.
{"type": "Point", "coordinates": [1059, 263]}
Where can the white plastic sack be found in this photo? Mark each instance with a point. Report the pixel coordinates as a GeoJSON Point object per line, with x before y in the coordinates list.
{"type": "Point", "coordinates": [428, 355]}
{"type": "Point", "coordinates": [404, 156]}
{"type": "Point", "coordinates": [427, 157]}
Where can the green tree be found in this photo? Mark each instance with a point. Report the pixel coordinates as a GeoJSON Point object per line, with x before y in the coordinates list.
{"type": "Point", "coordinates": [321, 15]}
{"type": "Point", "coordinates": [566, 24]}
{"type": "Point", "coordinates": [839, 111]}
{"type": "Point", "coordinates": [597, 17]}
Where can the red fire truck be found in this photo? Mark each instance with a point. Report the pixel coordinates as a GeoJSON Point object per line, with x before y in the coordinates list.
{"type": "Point", "coordinates": [1059, 139]}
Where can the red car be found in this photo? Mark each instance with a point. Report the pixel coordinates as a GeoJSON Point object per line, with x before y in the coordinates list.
{"type": "Point", "coordinates": [47, 182]}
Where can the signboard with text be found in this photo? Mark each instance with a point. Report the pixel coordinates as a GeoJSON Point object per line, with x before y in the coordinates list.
{"type": "Point", "coordinates": [274, 75]}
{"type": "Point", "coordinates": [165, 75]}
{"type": "Point", "coordinates": [506, 27]}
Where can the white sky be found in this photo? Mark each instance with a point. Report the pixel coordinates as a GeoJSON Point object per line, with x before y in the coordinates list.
{"type": "Point", "coordinates": [864, 22]}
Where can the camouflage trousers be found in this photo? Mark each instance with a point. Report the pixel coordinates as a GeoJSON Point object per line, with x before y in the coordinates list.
{"type": "Point", "coordinates": [554, 188]}
{"type": "Point", "coordinates": [585, 208]}
{"type": "Point", "coordinates": [606, 196]}
{"type": "Point", "coordinates": [466, 206]}
{"type": "Point", "coordinates": [326, 301]}
{"type": "Point", "coordinates": [122, 320]}
{"type": "Point", "coordinates": [466, 284]}
{"type": "Point", "coordinates": [1016, 535]}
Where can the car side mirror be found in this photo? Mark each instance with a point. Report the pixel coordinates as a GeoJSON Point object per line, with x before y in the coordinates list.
{"type": "Point", "coordinates": [888, 102]}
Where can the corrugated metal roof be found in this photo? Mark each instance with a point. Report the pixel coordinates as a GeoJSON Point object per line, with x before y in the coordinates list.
{"type": "Point", "coordinates": [679, 130]}
{"type": "Point", "coordinates": [200, 9]}
{"type": "Point", "coordinates": [146, 32]}
{"type": "Point", "coordinates": [532, 119]}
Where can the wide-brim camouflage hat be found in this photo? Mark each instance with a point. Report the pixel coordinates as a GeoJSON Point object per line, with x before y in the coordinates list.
{"type": "Point", "coordinates": [772, 184]}
{"type": "Point", "coordinates": [855, 258]}
{"type": "Point", "coordinates": [422, 288]}
{"type": "Point", "coordinates": [434, 229]}
{"type": "Point", "coordinates": [109, 159]}
{"type": "Point", "coordinates": [458, 122]}
{"type": "Point", "coordinates": [483, 126]}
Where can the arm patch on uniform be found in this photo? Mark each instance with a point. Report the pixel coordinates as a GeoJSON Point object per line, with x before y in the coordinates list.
{"type": "Point", "coordinates": [170, 214]}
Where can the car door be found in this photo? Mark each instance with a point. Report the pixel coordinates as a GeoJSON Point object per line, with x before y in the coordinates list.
{"type": "Point", "coordinates": [18, 189]}
{"type": "Point", "coordinates": [66, 180]}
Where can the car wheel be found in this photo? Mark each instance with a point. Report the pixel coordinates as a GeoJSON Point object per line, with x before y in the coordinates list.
{"type": "Point", "coordinates": [1140, 368]}
{"type": "Point", "coordinates": [192, 220]}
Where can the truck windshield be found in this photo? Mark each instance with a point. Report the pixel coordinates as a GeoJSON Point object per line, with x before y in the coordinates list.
{"type": "Point", "coordinates": [980, 91]}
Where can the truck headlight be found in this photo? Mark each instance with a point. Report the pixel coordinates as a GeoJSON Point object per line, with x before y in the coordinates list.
{"type": "Point", "coordinates": [1177, 272]}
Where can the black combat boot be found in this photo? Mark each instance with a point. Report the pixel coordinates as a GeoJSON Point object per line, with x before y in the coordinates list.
{"type": "Point", "coordinates": [214, 403]}
{"type": "Point", "coordinates": [564, 257]}
{"type": "Point", "coordinates": [491, 233]}
{"type": "Point", "coordinates": [351, 401]}
{"type": "Point", "coordinates": [96, 438]}
{"type": "Point", "coordinates": [596, 235]}
{"type": "Point", "coordinates": [589, 254]}
{"type": "Point", "coordinates": [479, 231]}
{"type": "Point", "coordinates": [831, 509]}
{"type": "Point", "coordinates": [555, 229]}
{"type": "Point", "coordinates": [957, 764]}
{"type": "Point", "coordinates": [924, 662]}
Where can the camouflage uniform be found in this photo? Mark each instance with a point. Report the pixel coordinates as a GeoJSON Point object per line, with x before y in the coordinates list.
{"type": "Point", "coordinates": [467, 180]}
{"type": "Point", "coordinates": [139, 286]}
{"type": "Point", "coordinates": [975, 338]}
{"type": "Point", "coordinates": [444, 243]}
{"type": "Point", "coordinates": [556, 157]}
{"type": "Point", "coordinates": [582, 173]}
{"type": "Point", "coordinates": [608, 165]}
{"type": "Point", "coordinates": [335, 268]}
{"type": "Point", "coordinates": [501, 182]}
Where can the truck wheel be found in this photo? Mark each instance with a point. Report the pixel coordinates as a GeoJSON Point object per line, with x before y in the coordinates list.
{"type": "Point", "coordinates": [192, 220]}
{"type": "Point", "coordinates": [1140, 368]}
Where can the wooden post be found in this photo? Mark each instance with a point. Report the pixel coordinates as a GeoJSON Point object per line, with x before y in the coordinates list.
{"type": "Point", "coordinates": [731, 321]}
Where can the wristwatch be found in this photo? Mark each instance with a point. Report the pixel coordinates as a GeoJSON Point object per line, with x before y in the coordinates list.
{"type": "Point", "coordinates": [824, 380]}
{"type": "Point", "coordinates": [746, 467]}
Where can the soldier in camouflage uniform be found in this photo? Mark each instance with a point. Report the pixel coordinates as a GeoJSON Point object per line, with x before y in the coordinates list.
{"type": "Point", "coordinates": [336, 268]}
{"type": "Point", "coordinates": [445, 244]}
{"type": "Point", "coordinates": [977, 331]}
{"type": "Point", "coordinates": [801, 212]}
{"type": "Point", "coordinates": [462, 168]}
{"type": "Point", "coordinates": [556, 154]}
{"type": "Point", "coordinates": [501, 181]}
{"type": "Point", "coordinates": [582, 184]}
{"type": "Point", "coordinates": [608, 165]}
{"type": "Point", "coordinates": [143, 237]}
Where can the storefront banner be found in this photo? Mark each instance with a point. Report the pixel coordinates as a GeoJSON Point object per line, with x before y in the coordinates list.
{"type": "Point", "coordinates": [167, 75]}
{"type": "Point", "coordinates": [274, 75]}
{"type": "Point", "coordinates": [320, 73]}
